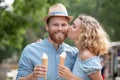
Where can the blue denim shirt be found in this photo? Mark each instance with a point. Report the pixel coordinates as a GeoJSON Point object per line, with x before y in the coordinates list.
{"type": "Point", "coordinates": [84, 68]}
{"type": "Point", "coordinates": [32, 56]}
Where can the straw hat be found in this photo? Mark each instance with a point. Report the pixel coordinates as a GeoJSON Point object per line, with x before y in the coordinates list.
{"type": "Point", "coordinates": [58, 10]}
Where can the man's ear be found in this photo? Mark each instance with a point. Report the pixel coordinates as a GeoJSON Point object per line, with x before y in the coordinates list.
{"type": "Point", "coordinates": [46, 27]}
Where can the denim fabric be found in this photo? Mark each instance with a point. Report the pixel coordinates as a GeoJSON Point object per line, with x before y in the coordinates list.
{"type": "Point", "coordinates": [32, 55]}
{"type": "Point", "coordinates": [86, 67]}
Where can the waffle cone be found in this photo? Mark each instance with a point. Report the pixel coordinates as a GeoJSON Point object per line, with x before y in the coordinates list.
{"type": "Point", "coordinates": [62, 60]}
{"type": "Point", "coordinates": [45, 63]}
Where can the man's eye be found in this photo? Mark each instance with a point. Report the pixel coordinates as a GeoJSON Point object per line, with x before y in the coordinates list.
{"type": "Point", "coordinates": [64, 25]}
{"type": "Point", "coordinates": [56, 25]}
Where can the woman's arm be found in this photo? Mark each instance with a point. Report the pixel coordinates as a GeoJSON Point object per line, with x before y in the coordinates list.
{"type": "Point", "coordinates": [73, 77]}
{"type": "Point", "coordinates": [67, 74]}
{"type": "Point", "coordinates": [96, 76]}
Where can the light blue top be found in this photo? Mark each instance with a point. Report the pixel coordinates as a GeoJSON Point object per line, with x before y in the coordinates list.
{"type": "Point", "coordinates": [84, 68]}
{"type": "Point", "coordinates": [32, 55]}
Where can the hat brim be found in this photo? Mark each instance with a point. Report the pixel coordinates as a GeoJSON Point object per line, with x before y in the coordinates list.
{"type": "Point", "coordinates": [70, 18]}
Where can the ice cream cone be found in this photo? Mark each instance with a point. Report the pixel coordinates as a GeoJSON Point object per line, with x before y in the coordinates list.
{"type": "Point", "coordinates": [62, 58]}
{"type": "Point", "coordinates": [45, 62]}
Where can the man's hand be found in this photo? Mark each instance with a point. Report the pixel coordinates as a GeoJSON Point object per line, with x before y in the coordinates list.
{"type": "Point", "coordinates": [39, 71]}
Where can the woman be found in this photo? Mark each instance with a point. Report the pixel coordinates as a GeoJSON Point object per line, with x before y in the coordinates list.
{"type": "Point", "coordinates": [92, 42]}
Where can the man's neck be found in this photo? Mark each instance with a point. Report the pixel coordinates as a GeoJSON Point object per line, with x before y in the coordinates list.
{"type": "Point", "coordinates": [56, 45]}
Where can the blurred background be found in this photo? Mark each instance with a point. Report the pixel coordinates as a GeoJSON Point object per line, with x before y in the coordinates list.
{"type": "Point", "coordinates": [21, 23]}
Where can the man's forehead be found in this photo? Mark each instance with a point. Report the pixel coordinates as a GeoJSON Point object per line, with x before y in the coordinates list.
{"type": "Point", "coordinates": [59, 19]}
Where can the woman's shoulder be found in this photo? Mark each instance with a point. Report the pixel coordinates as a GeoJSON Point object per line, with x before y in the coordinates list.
{"type": "Point", "coordinates": [88, 59]}
{"type": "Point", "coordinates": [85, 55]}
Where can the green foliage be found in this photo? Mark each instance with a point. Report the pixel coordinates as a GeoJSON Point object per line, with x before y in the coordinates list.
{"type": "Point", "coordinates": [110, 18]}
{"type": "Point", "coordinates": [10, 33]}
{"type": "Point", "coordinates": [25, 23]}
{"type": "Point", "coordinates": [13, 25]}
{"type": "Point", "coordinates": [105, 11]}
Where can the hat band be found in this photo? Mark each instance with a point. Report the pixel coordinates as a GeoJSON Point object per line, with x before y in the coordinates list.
{"type": "Point", "coordinates": [59, 13]}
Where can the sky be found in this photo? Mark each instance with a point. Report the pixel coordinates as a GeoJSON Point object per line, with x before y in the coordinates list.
{"type": "Point", "coordinates": [7, 3]}
{"type": "Point", "coordinates": [10, 2]}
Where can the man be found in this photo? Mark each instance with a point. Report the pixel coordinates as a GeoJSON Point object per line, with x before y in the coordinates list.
{"type": "Point", "coordinates": [30, 64]}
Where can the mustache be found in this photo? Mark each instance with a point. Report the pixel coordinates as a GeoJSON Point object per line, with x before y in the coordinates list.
{"type": "Point", "coordinates": [63, 32]}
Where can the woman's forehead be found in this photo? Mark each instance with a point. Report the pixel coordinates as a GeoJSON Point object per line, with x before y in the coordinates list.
{"type": "Point", "coordinates": [76, 21]}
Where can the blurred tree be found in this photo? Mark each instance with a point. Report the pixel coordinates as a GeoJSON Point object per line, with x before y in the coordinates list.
{"type": "Point", "coordinates": [110, 17]}
{"type": "Point", "coordinates": [105, 11]}
{"type": "Point", "coordinates": [22, 25]}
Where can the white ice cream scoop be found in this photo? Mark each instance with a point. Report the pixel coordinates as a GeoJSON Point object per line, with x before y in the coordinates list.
{"type": "Point", "coordinates": [63, 54]}
{"type": "Point", "coordinates": [44, 56]}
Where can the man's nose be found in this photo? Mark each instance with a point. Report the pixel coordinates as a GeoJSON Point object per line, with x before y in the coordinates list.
{"type": "Point", "coordinates": [60, 27]}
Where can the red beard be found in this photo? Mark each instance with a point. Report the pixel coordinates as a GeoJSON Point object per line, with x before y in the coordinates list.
{"type": "Point", "coordinates": [58, 39]}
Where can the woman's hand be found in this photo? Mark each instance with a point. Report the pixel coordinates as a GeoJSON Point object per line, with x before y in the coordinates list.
{"type": "Point", "coordinates": [67, 74]}
{"type": "Point", "coordinates": [64, 72]}
{"type": "Point", "coordinates": [39, 40]}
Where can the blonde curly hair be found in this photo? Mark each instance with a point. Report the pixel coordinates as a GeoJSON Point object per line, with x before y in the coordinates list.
{"type": "Point", "coordinates": [92, 36]}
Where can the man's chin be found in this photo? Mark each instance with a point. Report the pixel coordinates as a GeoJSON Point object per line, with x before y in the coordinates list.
{"type": "Point", "coordinates": [59, 41]}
